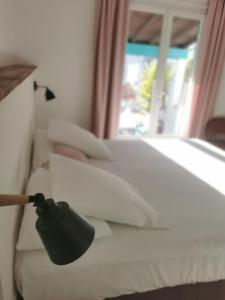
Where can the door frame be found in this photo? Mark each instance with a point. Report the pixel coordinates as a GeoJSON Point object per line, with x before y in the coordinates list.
{"type": "Point", "coordinates": [168, 16]}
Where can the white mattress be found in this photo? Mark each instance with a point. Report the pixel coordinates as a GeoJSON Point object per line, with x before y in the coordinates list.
{"type": "Point", "coordinates": [139, 260]}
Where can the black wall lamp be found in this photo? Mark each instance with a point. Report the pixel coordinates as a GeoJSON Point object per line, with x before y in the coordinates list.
{"type": "Point", "coordinates": [65, 234]}
{"type": "Point", "coordinates": [49, 95]}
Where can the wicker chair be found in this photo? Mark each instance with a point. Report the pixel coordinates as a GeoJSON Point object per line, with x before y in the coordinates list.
{"type": "Point", "coordinates": [215, 131]}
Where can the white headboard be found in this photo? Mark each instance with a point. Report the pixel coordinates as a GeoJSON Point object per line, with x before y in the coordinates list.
{"type": "Point", "coordinates": [16, 126]}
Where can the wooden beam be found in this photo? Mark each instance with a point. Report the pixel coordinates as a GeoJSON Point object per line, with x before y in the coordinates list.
{"type": "Point", "coordinates": [156, 36]}
{"type": "Point", "coordinates": [142, 28]}
{"type": "Point", "coordinates": [184, 30]}
{"type": "Point", "coordinates": [190, 41]}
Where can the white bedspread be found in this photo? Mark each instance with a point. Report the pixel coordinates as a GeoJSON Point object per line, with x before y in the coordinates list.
{"type": "Point", "coordinates": [139, 260]}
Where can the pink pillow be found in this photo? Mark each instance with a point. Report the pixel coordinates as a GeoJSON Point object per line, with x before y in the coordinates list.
{"type": "Point", "coordinates": [70, 152]}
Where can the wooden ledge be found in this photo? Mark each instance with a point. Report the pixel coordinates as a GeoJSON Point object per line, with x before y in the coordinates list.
{"type": "Point", "coordinates": [11, 76]}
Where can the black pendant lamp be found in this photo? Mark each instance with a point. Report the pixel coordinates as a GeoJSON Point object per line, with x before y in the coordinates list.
{"type": "Point", "coordinates": [65, 235]}
{"type": "Point", "coordinates": [49, 95]}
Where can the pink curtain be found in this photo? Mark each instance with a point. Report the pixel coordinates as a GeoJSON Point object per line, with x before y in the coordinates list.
{"type": "Point", "coordinates": [111, 35]}
{"type": "Point", "coordinates": [212, 58]}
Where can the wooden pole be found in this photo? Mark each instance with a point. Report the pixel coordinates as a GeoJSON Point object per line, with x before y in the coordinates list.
{"type": "Point", "coordinates": [7, 200]}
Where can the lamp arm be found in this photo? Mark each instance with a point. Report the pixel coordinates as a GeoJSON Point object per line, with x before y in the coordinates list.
{"type": "Point", "coordinates": [7, 200]}
{"type": "Point", "coordinates": [42, 86]}
{"type": "Point", "coordinates": [38, 200]}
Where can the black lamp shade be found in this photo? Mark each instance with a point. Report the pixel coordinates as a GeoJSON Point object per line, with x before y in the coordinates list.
{"type": "Point", "coordinates": [49, 95]}
{"type": "Point", "coordinates": [65, 235]}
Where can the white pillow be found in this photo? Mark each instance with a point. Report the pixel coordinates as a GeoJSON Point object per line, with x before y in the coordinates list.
{"type": "Point", "coordinates": [41, 149]}
{"type": "Point", "coordinates": [28, 236]}
{"type": "Point", "coordinates": [67, 133]}
{"type": "Point", "coordinates": [100, 194]}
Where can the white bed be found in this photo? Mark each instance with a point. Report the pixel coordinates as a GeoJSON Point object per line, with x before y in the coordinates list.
{"type": "Point", "coordinates": [133, 260]}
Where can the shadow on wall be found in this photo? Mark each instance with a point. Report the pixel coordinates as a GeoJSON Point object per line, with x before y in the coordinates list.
{"type": "Point", "coordinates": [10, 59]}
{"type": "Point", "coordinates": [1, 296]}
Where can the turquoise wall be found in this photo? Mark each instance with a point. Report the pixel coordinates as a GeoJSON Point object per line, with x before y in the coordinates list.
{"type": "Point", "coordinates": [153, 51]}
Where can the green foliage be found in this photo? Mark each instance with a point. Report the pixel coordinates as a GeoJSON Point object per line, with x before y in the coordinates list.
{"type": "Point", "coordinates": [146, 87]}
{"type": "Point", "coordinates": [147, 84]}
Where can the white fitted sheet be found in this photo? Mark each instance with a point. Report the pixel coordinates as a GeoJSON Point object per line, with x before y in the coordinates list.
{"type": "Point", "coordinates": [139, 260]}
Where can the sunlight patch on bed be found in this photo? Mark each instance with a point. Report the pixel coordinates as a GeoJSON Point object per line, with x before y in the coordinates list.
{"type": "Point", "coordinates": [209, 169]}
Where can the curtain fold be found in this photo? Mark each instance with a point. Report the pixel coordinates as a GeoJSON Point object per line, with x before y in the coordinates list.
{"type": "Point", "coordinates": [212, 59]}
{"type": "Point", "coordinates": [110, 44]}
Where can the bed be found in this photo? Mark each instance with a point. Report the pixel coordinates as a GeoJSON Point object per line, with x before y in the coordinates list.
{"type": "Point", "coordinates": [184, 261]}
{"type": "Point", "coordinates": [176, 175]}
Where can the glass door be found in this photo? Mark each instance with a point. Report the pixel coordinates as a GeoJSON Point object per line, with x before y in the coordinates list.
{"type": "Point", "coordinates": [158, 73]}
{"type": "Point", "coordinates": [140, 72]}
{"type": "Point", "coordinates": [178, 79]}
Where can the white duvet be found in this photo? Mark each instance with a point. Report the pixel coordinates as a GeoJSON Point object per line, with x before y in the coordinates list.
{"type": "Point", "coordinates": [138, 260]}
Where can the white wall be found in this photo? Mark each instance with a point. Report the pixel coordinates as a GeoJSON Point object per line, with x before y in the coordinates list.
{"type": "Point", "coordinates": [6, 31]}
{"type": "Point", "coordinates": [16, 115]}
{"type": "Point", "coordinates": [57, 37]}
{"type": "Point", "coordinates": [4, 25]}
{"type": "Point", "coordinates": [220, 99]}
